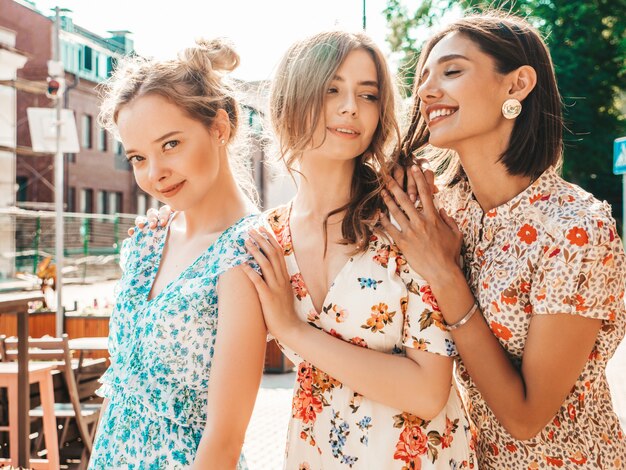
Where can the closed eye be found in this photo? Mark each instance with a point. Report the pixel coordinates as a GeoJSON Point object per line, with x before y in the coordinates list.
{"type": "Point", "coordinates": [370, 97]}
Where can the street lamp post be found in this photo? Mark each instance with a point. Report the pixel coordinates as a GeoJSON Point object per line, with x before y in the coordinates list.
{"type": "Point", "coordinates": [58, 188]}
{"type": "Point", "coordinates": [364, 17]}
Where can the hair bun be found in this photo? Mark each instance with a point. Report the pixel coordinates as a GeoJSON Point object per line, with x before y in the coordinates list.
{"type": "Point", "coordinates": [211, 55]}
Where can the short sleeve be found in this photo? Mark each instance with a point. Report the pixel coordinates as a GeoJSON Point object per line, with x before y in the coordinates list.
{"type": "Point", "coordinates": [582, 272]}
{"type": "Point", "coordinates": [234, 249]}
{"type": "Point", "coordinates": [424, 326]}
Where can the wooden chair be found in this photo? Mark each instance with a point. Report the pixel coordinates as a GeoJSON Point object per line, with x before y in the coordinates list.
{"type": "Point", "coordinates": [86, 415]}
{"type": "Point", "coordinates": [37, 373]}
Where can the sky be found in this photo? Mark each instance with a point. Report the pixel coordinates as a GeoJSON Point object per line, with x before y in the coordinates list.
{"type": "Point", "coordinates": [261, 30]}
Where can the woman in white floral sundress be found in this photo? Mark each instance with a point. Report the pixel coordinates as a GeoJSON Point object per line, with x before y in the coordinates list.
{"type": "Point", "coordinates": [374, 387]}
{"type": "Point", "coordinates": [184, 372]}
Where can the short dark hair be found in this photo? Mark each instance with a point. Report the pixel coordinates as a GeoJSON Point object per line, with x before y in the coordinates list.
{"type": "Point", "coordinates": [536, 141]}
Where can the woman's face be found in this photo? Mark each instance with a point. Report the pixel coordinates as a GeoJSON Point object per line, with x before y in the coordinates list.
{"type": "Point", "coordinates": [351, 110]}
{"type": "Point", "coordinates": [174, 157]}
{"type": "Point", "coordinates": [461, 96]}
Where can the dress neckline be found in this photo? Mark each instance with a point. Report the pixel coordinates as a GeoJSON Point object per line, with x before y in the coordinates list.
{"type": "Point", "coordinates": [181, 275]}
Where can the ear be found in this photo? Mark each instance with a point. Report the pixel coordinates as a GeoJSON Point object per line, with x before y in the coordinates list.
{"type": "Point", "coordinates": [221, 126]}
{"type": "Point", "coordinates": [521, 82]}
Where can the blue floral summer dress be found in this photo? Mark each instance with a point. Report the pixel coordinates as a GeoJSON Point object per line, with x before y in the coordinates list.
{"type": "Point", "coordinates": [161, 353]}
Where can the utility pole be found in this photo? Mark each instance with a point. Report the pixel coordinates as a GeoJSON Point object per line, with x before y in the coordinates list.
{"type": "Point", "coordinates": [364, 17]}
{"type": "Point", "coordinates": [58, 186]}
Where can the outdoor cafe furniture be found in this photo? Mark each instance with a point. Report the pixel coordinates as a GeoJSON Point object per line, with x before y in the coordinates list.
{"type": "Point", "coordinates": [58, 352]}
{"type": "Point", "coordinates": [41, 374]}
{"type": "Point", "coordinates": [18, 304]}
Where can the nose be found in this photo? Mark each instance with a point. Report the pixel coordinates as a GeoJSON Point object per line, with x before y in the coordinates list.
{"type": "Point", "coordinates": [156, 170]}
{"type": "Point", "coordinates": [429, 89]}
{"type": "Point", "coordinates": [348, 105]}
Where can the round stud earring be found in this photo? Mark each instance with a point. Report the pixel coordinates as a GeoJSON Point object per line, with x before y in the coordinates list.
{"type": "Point", "coordinates": [511, 108]}
{"type": "Point", "coordinates": [223, 142]}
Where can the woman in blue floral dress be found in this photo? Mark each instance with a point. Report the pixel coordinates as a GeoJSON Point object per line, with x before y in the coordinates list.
{"type": "Point", "coordinates": [180, 391]}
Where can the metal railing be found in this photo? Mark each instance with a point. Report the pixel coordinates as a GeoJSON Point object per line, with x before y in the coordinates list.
{"type": "Point", "coordinates": [92, 242]}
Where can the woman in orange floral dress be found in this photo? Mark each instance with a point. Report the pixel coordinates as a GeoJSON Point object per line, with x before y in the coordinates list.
{"type": "Point", "coordinates": [537, 307]}
{"type": "Point", "coordinates": [374, 387]}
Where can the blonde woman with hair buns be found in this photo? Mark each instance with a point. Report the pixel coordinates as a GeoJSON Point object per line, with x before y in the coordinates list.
{"type": "Point", "coordinates": [180, 391]}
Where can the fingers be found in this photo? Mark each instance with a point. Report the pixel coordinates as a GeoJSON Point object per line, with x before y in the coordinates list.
{"type": "Point", "coordinates": [424, 191]}
{"type": "Point", "coordinates": [389, 227]}
{"type": "Point", "coordinates": [429, 174]}
{"type": "Point", "coordinates": [163, 215]}
{"type": "Point", "coordinates": [394, 211]}
{"type": "Point", "coordinates": [256, 279]}
{"type": "Point", "coordinates": [264, 263]}
{"type": "Point", "coordinates": [273, 252]}
{"type": "Point", "coordinates": [403, 200]}
{"type": "Point", "coordinates": [278, 250]}
{"type": "Point", "coordinates": [450, 222]}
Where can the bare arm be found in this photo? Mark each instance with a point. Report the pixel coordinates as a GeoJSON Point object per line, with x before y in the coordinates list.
{"type": "Point", "coordinates": [419, 383]}
{"type": "Point", "coordinates": [235, 373]}
{"type": "Point", "coordinates": [557, 347]}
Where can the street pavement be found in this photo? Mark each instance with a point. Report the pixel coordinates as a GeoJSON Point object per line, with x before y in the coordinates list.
{"type": "Point", "coordinates": [266, 436]}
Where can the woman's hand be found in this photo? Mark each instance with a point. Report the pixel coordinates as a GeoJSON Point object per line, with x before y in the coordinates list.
{"type": "Point", "coordinates": [402, 175]}
{"type": "Point", "coordinates": [274, 287]}
{"type": "Point", "coordinates": [429, 238]}
{"type": "Point", "coordinates": [152, 219]}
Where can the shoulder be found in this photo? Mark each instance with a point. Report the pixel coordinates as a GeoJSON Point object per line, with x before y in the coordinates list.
{"type": "Point", "coordinates": [571, 215]}
{"type": "Point", "coordinates": [235, 236]}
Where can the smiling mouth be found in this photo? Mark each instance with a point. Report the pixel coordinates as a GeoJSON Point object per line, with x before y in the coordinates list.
{"type": "Point", "coordinates": [172, 190]}
{"type": "Point", "coordinates": [344, 132]}
{"type": "Point", "coordinates": [440, 114]}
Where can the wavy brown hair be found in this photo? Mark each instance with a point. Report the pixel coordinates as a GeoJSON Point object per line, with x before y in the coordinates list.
{"type": "Point", "coordinates": [536, 141]}
{"type": "Point", "coordinates": [297, 105]}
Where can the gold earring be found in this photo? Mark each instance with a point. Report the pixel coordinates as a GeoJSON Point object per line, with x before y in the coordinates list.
{"type": "Point", "coordinates": [511, 108]}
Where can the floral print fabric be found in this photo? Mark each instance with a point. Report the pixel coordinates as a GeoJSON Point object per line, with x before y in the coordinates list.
{"type": "Point", "coordinates": [551, 249]}
{"type": "Point", "coordinates": [375, 302]}
{"type": "Point", "coordinates": [161, 354]}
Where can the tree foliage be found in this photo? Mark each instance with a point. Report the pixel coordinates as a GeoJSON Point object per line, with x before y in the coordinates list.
{"type": "Point", "coordinates": [587, 39]}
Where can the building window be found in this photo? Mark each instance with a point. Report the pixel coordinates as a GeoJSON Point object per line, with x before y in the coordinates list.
{"type": "Point", "coordinates": [86, 201]}
{"type": "Point", "coordinates": [115, 202]}
{"type": "Point", "coordinates": [119, 149]}
{"type": "Point", "coordinates": [71, 199]}
{"type": "Point", "coordinates": [142, 204]}
{"type": "Point", "coordinates": [102, 206]}
{"type": "Point", "coordinates": [86, 128]}
{"type": "Point", "coordinates": [88, 64]}
{"type": "Point", "coordinates": [70, 158]}
{"type": "Point", "coordinates": [103, 138]}
{"type": "Point", "coordinates": [22, 185]}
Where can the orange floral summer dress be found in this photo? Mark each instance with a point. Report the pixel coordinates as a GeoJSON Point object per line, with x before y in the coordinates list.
{"type": "Point", "coordinates": [375, 302]}
{"type": "Point", "coordinates": [551, 249]}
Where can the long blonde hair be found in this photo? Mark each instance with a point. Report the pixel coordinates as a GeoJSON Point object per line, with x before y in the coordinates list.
{"type": "Point", "coordinates": [297, 105]}
{"type": "Point", "coordinates": [195, 81]}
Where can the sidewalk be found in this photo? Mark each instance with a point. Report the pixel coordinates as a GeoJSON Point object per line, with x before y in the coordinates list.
{"type": "Point", "coordinates": [264, 447]}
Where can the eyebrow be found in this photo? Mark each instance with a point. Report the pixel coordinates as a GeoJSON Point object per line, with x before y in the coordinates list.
{"type": "Point", "coordinates": [163, 137]}
{"type": "Point", "coordinates": [373, 83]}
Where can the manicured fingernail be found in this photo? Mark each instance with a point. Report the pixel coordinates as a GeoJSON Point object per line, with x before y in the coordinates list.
{"type": "Point", "coordinates": [413, 197]}
{"type": "Point", "coordinates": [414, 168]}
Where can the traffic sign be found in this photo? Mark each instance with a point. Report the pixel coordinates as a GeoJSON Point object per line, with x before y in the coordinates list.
{"type": "Point", "coordinates": [619, 156]}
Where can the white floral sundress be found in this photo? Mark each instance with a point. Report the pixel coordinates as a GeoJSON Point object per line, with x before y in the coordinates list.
{"type": "Point", "coordinates": [375, 302]}
{"type": "Point", "coordinates": [161, 353]}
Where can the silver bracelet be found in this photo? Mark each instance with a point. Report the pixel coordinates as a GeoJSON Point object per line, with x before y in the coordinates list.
{"type": "Point", "coordinates": [465, 319]}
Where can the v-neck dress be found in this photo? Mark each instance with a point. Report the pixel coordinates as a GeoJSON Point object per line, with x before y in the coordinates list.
{"type": "Point", "coordinates": [375, 302]}
{"type": "Point", "coordinates": [161, 354]}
